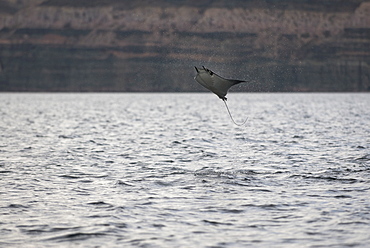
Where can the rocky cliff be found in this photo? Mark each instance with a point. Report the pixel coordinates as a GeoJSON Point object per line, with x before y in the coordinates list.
{"type": "Point", "coordinates": [110, 45]}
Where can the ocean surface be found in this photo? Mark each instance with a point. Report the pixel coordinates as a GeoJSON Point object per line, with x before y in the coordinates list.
{"type": "Point", "coordinates": [172, 170]}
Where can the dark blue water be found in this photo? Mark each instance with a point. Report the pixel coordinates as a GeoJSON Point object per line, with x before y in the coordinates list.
{"type": "Point", "coordinates": [171, 170]}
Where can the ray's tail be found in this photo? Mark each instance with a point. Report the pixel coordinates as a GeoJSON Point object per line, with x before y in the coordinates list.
{"type": "Point", "coordinates": [231, 117]}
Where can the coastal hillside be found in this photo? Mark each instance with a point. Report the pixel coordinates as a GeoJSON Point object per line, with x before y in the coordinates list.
{"type": "Point", "coordinates": [111, 45]}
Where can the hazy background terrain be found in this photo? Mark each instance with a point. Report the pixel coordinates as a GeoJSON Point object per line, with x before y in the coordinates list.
{"type": "Point", "coordinates": [110, 45]}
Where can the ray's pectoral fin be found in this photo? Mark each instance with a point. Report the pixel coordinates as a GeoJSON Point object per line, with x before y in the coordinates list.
{"type": "Point", "coordinates": [235, 81]}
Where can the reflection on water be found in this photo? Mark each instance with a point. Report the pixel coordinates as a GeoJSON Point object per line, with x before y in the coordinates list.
{"type": "Point", "coordinates": [171, 170]}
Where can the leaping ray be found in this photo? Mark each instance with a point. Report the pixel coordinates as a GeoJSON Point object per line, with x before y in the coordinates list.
{"type": "Point", "coordinates": [217, 85]}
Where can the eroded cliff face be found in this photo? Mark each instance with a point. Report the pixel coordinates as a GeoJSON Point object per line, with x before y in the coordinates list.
{"type": "Point", "coordinates": [141, 46]}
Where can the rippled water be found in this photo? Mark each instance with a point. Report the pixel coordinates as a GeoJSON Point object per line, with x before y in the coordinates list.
{"type": "Point", "coordinates": [171, 170]}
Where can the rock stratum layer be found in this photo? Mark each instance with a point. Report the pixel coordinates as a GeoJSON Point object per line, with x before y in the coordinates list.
{"type": "Point", "coordinates": [109, 45]}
